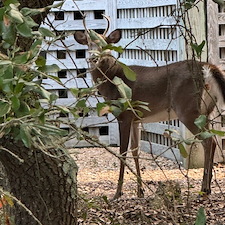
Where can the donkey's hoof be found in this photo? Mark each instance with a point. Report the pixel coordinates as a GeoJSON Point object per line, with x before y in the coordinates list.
{"type": "Point", "coordinates": [117, 195]}
{"type": "Point", "coordinates": [140, 193]}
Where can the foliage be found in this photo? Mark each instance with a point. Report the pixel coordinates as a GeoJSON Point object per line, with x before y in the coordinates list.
{"type": "Point", "coordinates": [198, 48]}
{"type": "Point", "coordinates": [25, 104]}
{"type": "Point", "coordinates": [201, 218]}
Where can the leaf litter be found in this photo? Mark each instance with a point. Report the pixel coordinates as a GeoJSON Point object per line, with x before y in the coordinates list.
{"type": "Point", "coordinates": [172, 194]}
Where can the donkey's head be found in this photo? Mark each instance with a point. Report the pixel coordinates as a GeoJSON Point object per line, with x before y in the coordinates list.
{"type": "Point", "coordinates": [97, 41]}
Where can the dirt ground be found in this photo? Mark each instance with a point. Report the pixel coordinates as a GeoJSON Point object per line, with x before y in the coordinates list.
{"type": "Point", "coordinates": [171, 193]}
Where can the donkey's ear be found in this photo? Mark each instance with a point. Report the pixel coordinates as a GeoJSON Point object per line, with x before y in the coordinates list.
{"type": "Point", "coordinates": [114, 37]}
{"type": "Point", "coordinates": [81, 37]}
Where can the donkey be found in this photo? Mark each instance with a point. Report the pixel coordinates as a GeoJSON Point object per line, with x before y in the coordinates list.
{"type": "Point", "coordinates": [182, 90]}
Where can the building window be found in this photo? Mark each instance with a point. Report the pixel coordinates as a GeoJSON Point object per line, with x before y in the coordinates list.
{"type": "Point", "coordinates": [62, 114]}
{"type": "Point", "coordinates": [61, 54]}
{"type": "Point", "coordinates": [104, 131]}
{"type": "Point", "coordinates": [62, 74]}
{"type": "Point", "coordinates": [59, 15]}
{"type": "Point", "coordinates": [80, 54]}
{"type": "Point", "coordinates": [43, 54]}
{"type": "Point", "coordinates": [223, 120]}
{"type": "Point", "coordinates": [223, 144]}
{"type": "Point", "coordinates": [85, 129]}
{"type": "Point", "coordinates": [77, 15]}
{"type": "Point", "coordinates": [81, 114]}
{"type": "Point", "coordinates": [98, 14]}
{"type": "Point", "coordinates": [82, 73]}
{"type": "Point", "coordinates": [66, 129]}
{"type": "Point", "coordinates": [60, 34]}
{"type": "Point", "coordinates": [63, 93]}
{"type": "Point", "coordinates": [99, 31]}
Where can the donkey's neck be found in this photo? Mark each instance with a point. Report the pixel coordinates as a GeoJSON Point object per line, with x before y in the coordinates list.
{"type": "Point", "coordinates": [103, 72]}
{"type": "Point", "coordinates": [106, 68]}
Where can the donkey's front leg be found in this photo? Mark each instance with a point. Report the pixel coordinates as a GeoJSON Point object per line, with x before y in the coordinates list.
{"type": "Point", "coordinates": [135, 145]}
{"type": "Point", "coordinates": [124, 130]}
{"type": "Point", "coordinates": [209, 150]}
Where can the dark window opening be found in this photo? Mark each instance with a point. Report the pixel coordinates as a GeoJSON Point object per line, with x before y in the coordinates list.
{"type": "Point", "coordinates": [117, 14]}
{"type": "Point", "coordinates": [66, 129]}
{"type": "Point", "coordinates": [43, 54]}
{"type": "Point", "coordinates": [61, 54]}
{"type": "Point", "coordinates": [223, 120]}
{"type": "Point", "coordinates": [63, 114]}
{"type": "Point", "coordinates": [85, 129]}
{"type": "Point", "coordinates": [59, 15]}
{"type": "Point", "coordinates": [62, 74]}
{"type": "Point", "coordinates": [223, 144]}
{"type": "Point", "coordinates": [77, 15]}
{"type": "Point", "coordinates": [104, 130]}
{"type": "Point", "coordinates": [63, 93]}
{"type": "Point", "coordinates": [80, 54]}
{"type": "Point", "coordinates": [81, 73]}
{"type": "Point", "coordinates": [99, 31]}
{"type": "Point", "coordinates": [81, 114]}
{"type": "Point", "coordinates": [61, 35]}
{"type": "Point", "coordinates": [98, 14]}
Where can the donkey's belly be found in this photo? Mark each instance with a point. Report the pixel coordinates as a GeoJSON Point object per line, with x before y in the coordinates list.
{"type": "Point", "coordinates": [159, 116]}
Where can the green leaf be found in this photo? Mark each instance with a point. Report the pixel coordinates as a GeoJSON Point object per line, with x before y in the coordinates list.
{"type": "Point", "coordinates": [41, 118]}
{"type": "Point", "coordinates": [4, 107]}
{"type": "Point", "coordinates": [81, 103]}
{"type": "Point", "coordinates": [5, 62]}
{"type": "Point", "coordinates": [201, 217]}
{"type": "Point", "coordinates": [46, 32]}
{"type": "Point", "coordinates": [128, 72]}
{"type": "Point", "coordinates": [118, 49]}
{"type": "Point", "coordinates": [56, 5]}
{"type": "Point", "coordinates": [15, 103]}
{"type": "Point", "coordinates": [30, 22]}
{"type": "Point", "coordinates": [183, 151]}
{"type": "Point", "coordinates": [206, 134]}
{"type": "Point", "coordinates": [22, 58]}
{"type": "Point", "coordinates": [24, 30]}
{"type": "Point", "coordinates": [23, 110]}
{"type": "Point", "coordinates": [16, 16]}
{"type": "Point", "coordinates": [25, 135]}
{"type": "Point", "coordinates": [57, 79]}
{"type": "Point", "coordinates": [97, 38]}
{"type": "Point", "coordinates": [18, 88]}
{"type": "Point", "coordinates": [35, 48]}
{"type": "Point", "coordinates": [103, 108]}
{"type": "Point", "coordinates": [44, 93]}
{"type": "Point", "coordinates": [31, 12]}
{"type": "Point", "coordinates": [116, 111]}
{"type": "Point", "coordinates": [41, 61]}
{"type": "Point", "coordinates": [74, 91]}
{"type": "Point", "coordinates": [200, 122]}
{"type": "Point", "coordinates": [8, 73]}
{"type": "Point", "coordinates": [49, 68]}
{"type": "Point", "coordinates": [218, 132]}
{"type": "Point", "coordinates": [64, 109]}
{"type": "Point", "coordinates": [52, 130]}
{"type": "Point", "coordinates": [198, 48]}
{"type": "Point", "coordinates": [8, 33]}
{"type": "Point", "coordinates": [125, 91]}
{"type": "Point", "coordinates": [8, 2]}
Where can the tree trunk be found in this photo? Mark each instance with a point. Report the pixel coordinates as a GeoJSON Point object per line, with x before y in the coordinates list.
{"type": "Point", "coordinates": [46, 185]}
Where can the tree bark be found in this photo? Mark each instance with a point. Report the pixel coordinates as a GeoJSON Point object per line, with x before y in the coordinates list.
{"type": "Point", "coordinates": [46, 185]}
